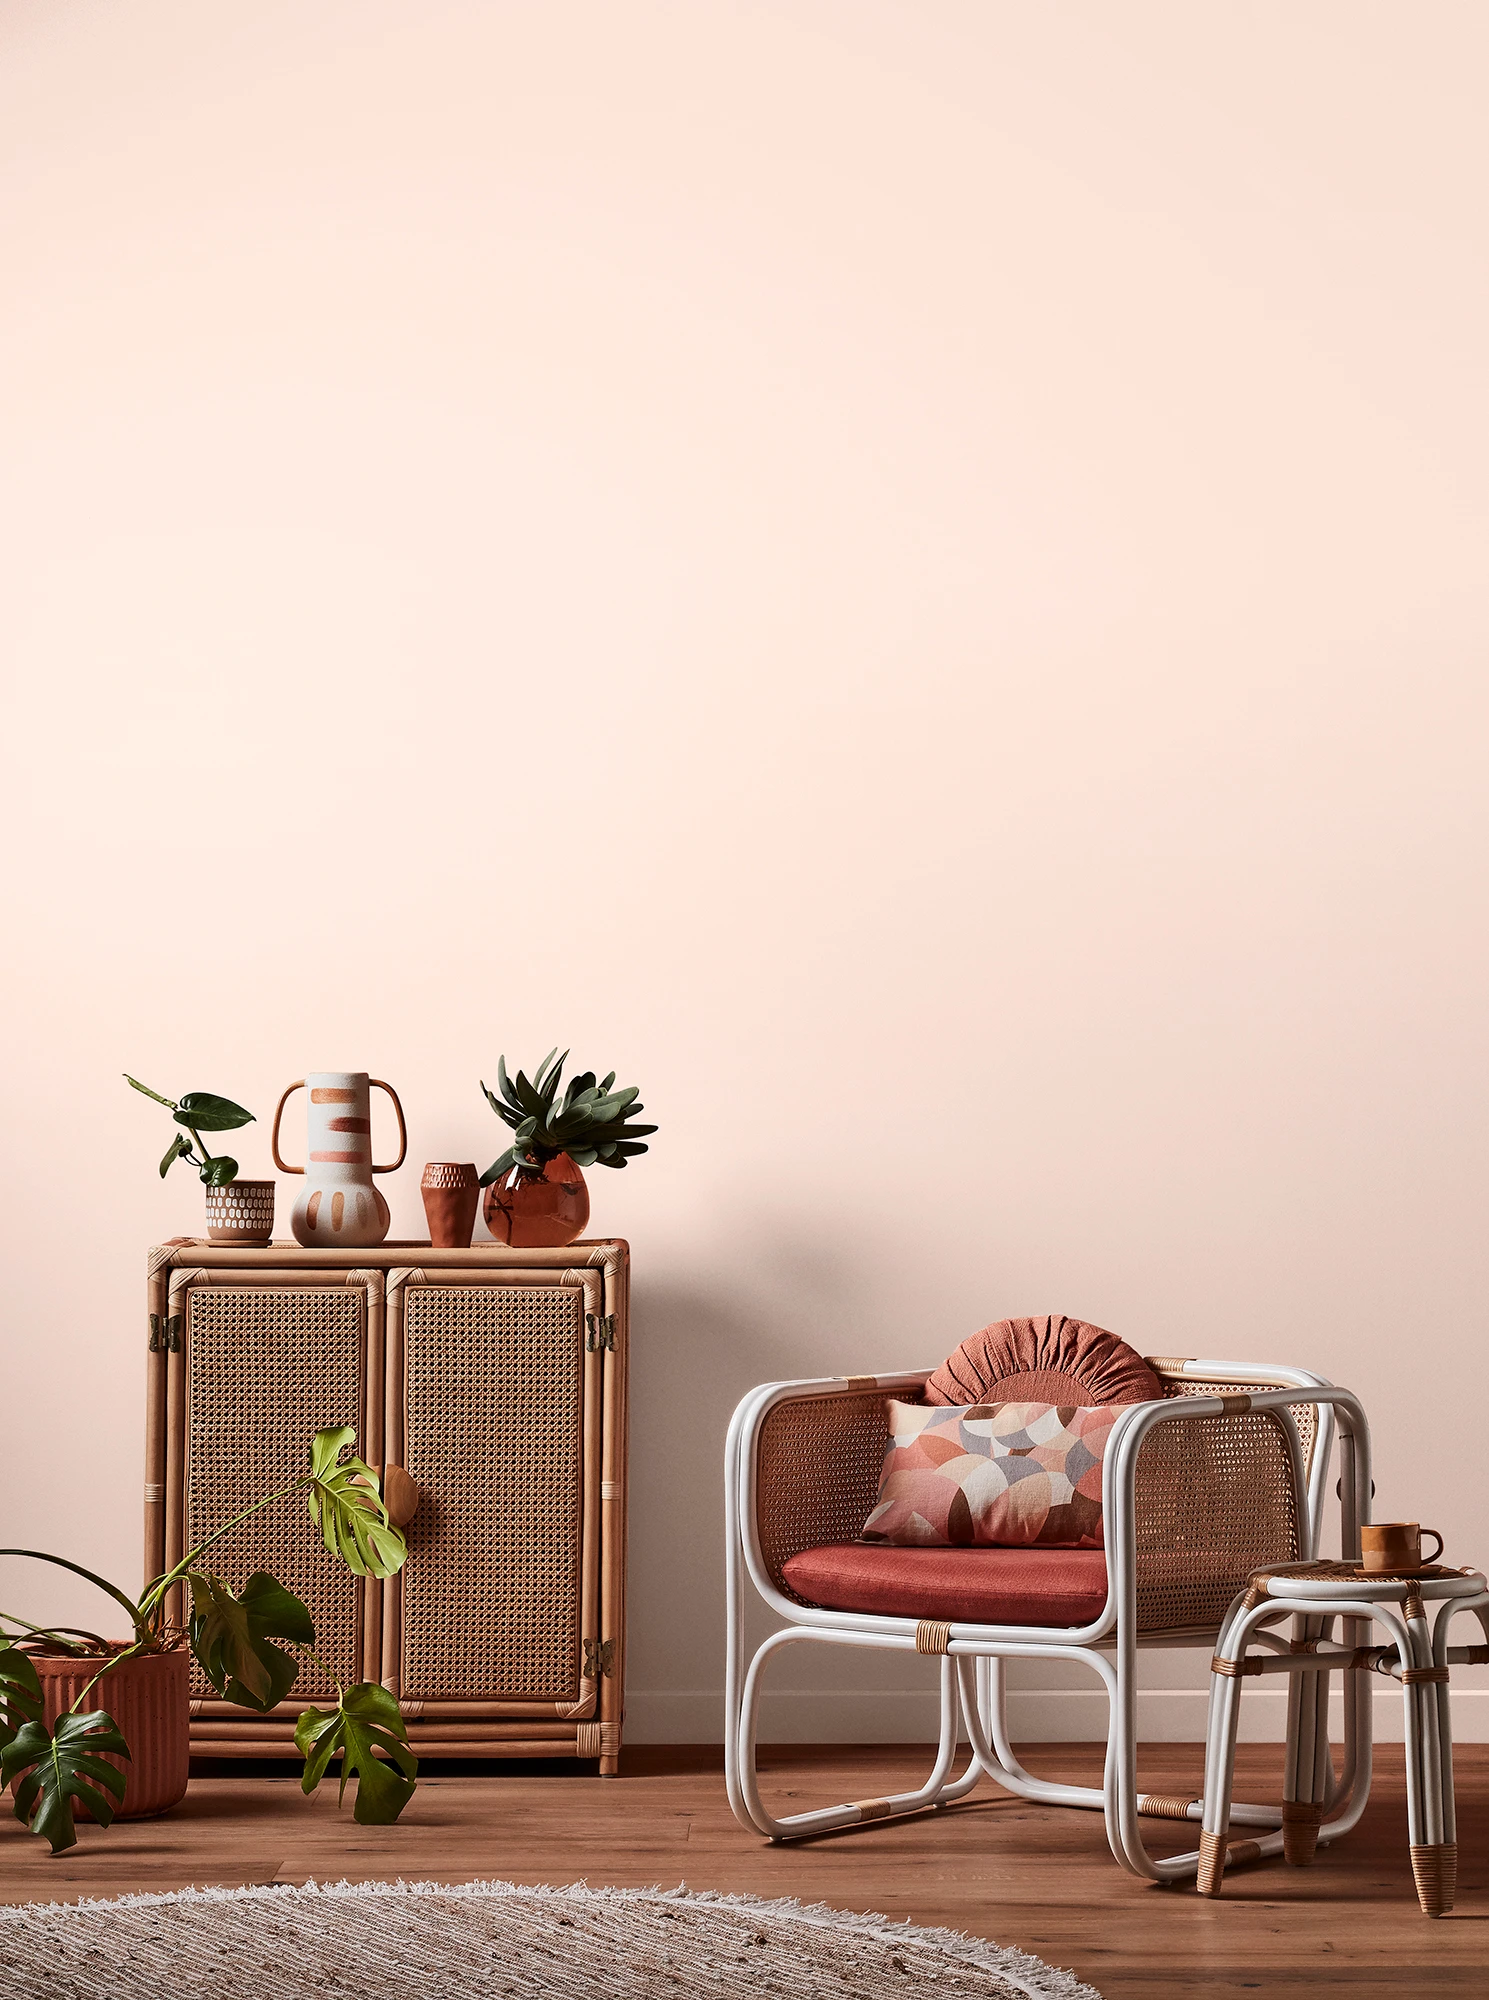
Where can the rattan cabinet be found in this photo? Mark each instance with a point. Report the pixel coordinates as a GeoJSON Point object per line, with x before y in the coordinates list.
{"type": "Point", "coordinates": [497, 1379]}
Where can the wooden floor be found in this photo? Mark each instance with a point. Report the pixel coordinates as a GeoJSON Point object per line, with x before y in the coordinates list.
{"type": "Point", "coordinates": [1030, 1876]}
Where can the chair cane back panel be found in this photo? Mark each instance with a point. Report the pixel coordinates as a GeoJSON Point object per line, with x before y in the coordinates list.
{"type": "Point", "coordinates": [1215, 1499]}
{"type": "Point", "coordinates": [817, 1474]}
{"type": "Point", "coordinates": [267, 1367]}
{"type": "Point", "coordinates": [495, 1387]}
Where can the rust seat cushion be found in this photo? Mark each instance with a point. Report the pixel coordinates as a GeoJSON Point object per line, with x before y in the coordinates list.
{"type": "Point", "coordinates": [966, 1586]}
{"type": "Point", "coordinates": [1048, 1360]}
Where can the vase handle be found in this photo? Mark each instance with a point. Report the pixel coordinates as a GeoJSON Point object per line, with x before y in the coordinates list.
{"type": "Point", "coordinates": [373, 1083]}
{"type": "Point", "coordinates": [283, 1165]}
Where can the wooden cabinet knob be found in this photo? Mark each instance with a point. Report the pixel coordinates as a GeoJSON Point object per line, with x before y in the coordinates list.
{"type": "Point", "coordinates": [400, 1495]}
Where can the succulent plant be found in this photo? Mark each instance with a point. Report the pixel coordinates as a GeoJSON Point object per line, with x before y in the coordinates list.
{"type": "Point", "coordinates": [592, 1123]}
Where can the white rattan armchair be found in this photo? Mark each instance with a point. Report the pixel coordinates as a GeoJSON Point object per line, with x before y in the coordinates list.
{"type": "Point", "coordinates": [1226, 1473]}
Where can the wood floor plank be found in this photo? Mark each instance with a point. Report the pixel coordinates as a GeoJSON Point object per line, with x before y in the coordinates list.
{"type": "Point", "coordinates": [1037, 1877]}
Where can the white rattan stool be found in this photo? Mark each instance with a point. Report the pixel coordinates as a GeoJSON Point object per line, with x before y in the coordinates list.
{"type": "Point", "coordinates": [1316, 1594]}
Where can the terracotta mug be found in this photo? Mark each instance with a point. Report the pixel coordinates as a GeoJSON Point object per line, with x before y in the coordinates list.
{"type": "Point", "coordinates": [1395, 1545]}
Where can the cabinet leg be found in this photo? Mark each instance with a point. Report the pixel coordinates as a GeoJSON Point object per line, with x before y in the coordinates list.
{"type": "Point", "coordinates": [610, 1766]}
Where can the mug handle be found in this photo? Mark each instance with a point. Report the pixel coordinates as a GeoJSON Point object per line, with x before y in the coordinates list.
{"type": "Point", "coordinates": [1437, 1551]}
{"type": "Point", "coordinates": [374, 1084]}
{"type": "Point", "coordinates": [283, 1165]}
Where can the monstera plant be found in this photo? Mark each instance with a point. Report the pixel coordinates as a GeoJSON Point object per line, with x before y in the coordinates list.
{"type": "Point", "coordinates": [199, 1111]}
{"type": "Point", "coordinates": [249, 1643]}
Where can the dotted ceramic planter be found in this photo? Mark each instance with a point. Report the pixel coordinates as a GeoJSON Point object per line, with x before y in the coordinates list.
{"type": "Point", "coordinates": [241, 1212]}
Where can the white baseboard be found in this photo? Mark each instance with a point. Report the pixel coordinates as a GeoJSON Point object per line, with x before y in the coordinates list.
{"type": "Point", "coordinates": [1173, 1715]}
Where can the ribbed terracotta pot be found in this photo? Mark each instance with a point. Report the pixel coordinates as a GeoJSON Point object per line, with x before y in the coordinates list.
{"type": "Point", "coordinates": [538, 1211]}
{"type": "Point", "coordinates": [452, 1194]}
{"type": "Point", "coordinates": [147, 1697]}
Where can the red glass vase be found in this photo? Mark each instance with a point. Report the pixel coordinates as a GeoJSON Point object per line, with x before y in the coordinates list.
{"type": "Point", "coordinates": [538, 1208]}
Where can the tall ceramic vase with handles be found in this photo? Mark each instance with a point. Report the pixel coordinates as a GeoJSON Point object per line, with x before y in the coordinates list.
{"type": "Point", "coordinates": [339, 1208]}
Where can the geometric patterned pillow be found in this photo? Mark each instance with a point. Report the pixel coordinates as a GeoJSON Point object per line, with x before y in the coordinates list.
{"type": "Point", "coordinates": [1001, 1475]}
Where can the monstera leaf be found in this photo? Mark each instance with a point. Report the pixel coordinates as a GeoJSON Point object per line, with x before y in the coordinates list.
{"type": "Point", "coordinates": [20, 1693]}
{"type": "Point", "coordinates": [231, 1637]}
{"type": "Point", "coordinates": [347, 1508]}
{"type": "Point", "coordinates": [365, 1719]}
{"type": "Point", "coordinates": [65, 1766]}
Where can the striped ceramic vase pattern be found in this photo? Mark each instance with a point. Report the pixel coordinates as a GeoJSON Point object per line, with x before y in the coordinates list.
{"type": "Point", "coordinates": [339, 1208]}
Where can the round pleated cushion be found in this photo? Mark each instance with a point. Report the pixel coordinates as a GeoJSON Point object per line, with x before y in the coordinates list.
{"type": "Point", "coordinates": [1049, 1360]}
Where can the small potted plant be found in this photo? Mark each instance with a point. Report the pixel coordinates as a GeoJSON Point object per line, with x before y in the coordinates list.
{"type": "Point", "coordinates": [61, 1756]}
{"type": "Point", "coordinates": [535, 1191]}
{"type": "Point", "coordinates": [239, 1212]}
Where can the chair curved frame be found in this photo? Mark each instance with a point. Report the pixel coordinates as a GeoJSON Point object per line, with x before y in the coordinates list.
{"type": "Point", "coordinates": [972, 1690]}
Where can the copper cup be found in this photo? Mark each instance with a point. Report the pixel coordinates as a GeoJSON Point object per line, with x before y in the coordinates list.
{"type": "Point", "coordinates": [1386, 1545]}
{"type": "Point", "coordinates": [452, 1194]}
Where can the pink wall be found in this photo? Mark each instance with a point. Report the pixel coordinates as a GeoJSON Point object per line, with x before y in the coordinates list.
{"type": "Point", "coordinates": [911, 576]}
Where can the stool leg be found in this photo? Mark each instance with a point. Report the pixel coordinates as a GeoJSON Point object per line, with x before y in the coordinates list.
{"type": "Point", "coordinates": [1445, 1727]}
{"type": "Point", "coordinates": [1307, 1773]}
{"type": "Point", "coordinates": [1434, 1863]}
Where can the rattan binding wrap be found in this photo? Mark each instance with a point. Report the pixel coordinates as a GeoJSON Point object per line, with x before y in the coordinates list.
{"type": "Point", "coordinates": [1436, 1873]}
{"type": "Point", "coordinates": [1211, 1863]}
{"type": "Point", "coordinates": [270, 1365]}
{"type": "Point", "coordinates": [1300, 1825]}
{"type": "Point", "coordinates": [1215, 1857]}
{"type": "Point", "coordinates": [1157, 1805]}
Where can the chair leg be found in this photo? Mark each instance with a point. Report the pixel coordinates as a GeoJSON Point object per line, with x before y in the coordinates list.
{"type": "Point", "coordinates": [1220, 1761]}
{"type": "Point", "coordinates": [855, 1812]}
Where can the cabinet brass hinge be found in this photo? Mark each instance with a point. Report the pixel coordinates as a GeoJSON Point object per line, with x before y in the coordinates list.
{"type": "Point", "coordinates": [599, 1659]}
{"type": "Point", "coordinates": [165, 1334]}
{"type": "Point", "coordinates": [599, 1331]}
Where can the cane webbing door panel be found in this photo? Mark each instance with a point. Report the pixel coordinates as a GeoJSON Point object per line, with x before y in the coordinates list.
{"type": "Point", "coordinates": [267, 1364]}
{"type": "Point", "coordinates": [497, 1379]}
{"type": "Point", "coordinates": [493, 1412]}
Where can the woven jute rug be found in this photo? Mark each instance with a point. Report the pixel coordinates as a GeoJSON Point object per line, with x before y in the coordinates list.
{"type": "Point", "coordinates": [386, 1941]}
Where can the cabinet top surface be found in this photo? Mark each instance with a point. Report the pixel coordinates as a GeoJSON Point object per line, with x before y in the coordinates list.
{"type": "Point", "coordinates": [611, 1251]}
